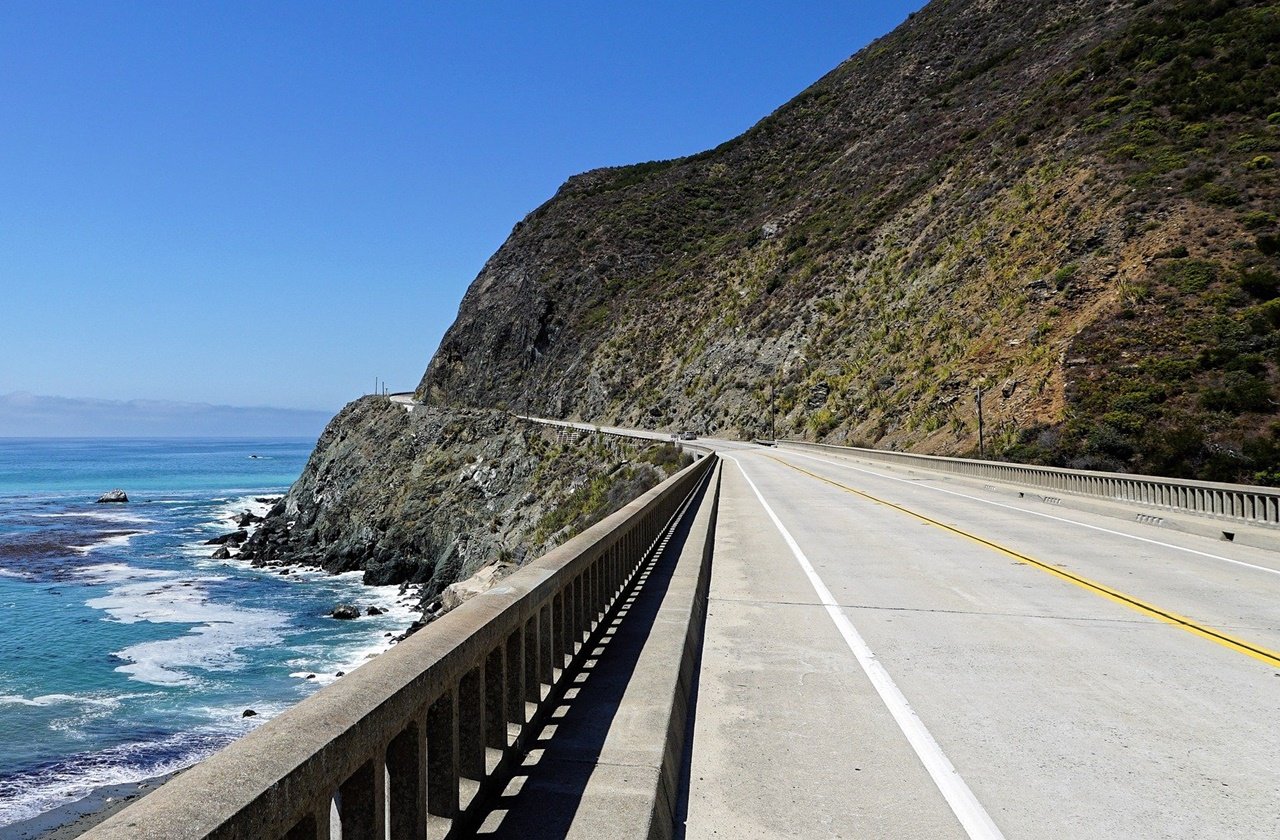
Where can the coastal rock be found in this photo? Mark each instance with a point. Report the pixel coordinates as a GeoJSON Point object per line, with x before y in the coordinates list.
{"type": "Point", "coordinates": [346, 612]}
{"type": "Point", "coordinates": [458, 593]}
{"type": "Point", "coordinates": [113, 497]}
{"type": "Point", "coordinates": [247, 518]}
{"type": "Point", "coordinates": [374, 611]}
{"type": "Point", "coordinates": [233, 538]}
{"type": "Point", "coordinates": [248, 713]}
{"type": "Point", "coordinates": [221, 553]}
{"type": "Point", "coordinates": [426, 499]}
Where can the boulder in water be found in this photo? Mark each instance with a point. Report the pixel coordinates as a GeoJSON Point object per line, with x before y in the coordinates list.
{"type": "Point", "coordinates": [113, 497]}
{"type": "Point", "coordinates": [346, 612]}
{"type": "Point", "coordinates": [248, 713]}
{"type": "Point", "coordinates": [221, 553]}
{"type": "Point", "coordinates": [234, 538]}
{"type": "Point", "coordinates": [373, 611]}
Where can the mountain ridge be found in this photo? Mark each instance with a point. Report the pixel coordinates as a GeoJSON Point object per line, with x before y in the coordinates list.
{"type": "Point", "coordinates": [979, 165]}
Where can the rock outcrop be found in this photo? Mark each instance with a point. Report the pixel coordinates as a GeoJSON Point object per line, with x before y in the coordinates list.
{"type": "Point", "coordinates": [431, 495]}
{"type": "Point", "coordinates": [113, 497]}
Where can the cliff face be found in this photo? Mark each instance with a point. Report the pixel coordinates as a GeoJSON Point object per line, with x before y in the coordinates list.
{"type": "Point", "coordinates": [1071, 202]}
{"type": "Point", "coordinates": [429, 496]}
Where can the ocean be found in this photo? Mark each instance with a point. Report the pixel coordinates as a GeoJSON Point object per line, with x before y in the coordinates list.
{"type": "Point", "coordinates": [126, 651]}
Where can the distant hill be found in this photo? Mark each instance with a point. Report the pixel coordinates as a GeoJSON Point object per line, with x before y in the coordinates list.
{"type": "Point", "coordinates": [29, 415]}
{"type": "Point", "coordinates": [1072, 202]}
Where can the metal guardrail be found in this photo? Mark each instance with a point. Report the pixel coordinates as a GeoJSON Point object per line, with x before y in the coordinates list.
{"type": "Point", "coordinates": [399, 747]}
{"type": "Point", "coordinates": [1232, 502]}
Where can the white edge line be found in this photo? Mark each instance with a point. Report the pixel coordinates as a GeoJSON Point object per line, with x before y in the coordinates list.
{"type": "Point", "coordinates": [973, 817]}
{"type": "Point", "coordinates": [1038, 513]}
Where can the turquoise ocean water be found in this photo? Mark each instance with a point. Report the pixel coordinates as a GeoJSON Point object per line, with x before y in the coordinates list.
{"type": "Point", "coordinates": [126, 651]}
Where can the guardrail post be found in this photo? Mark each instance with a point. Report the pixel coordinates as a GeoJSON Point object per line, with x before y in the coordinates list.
{"type": "Point", "coordinates": [362, 803]}
{"type": "Point", "coordinates": [495, 698]}
{"type": "Point", "coordinates": [442, 757]}
{"type": "Point", "coordinates": [582, 594]}
{"type": "Point", "coordinates": [407, 786]}
{"type": "Point", "coordinates": [315, 825]}
{"type": "Point", "coordinates": [532, 685]}
{"type": "Point", "coordinates": [471, 725]}
{"type": "Point", "coordinates": [546, 645]}
{"type": "Point", "coordinates": [515, 677]}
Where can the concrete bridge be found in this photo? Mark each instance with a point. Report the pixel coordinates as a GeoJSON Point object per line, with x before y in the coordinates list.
{"type": "Point", "coordinates": [810, 642]}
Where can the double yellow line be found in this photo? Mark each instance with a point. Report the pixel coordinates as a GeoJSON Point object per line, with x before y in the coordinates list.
{"type": "Point", "coordinates": [1258, 652]}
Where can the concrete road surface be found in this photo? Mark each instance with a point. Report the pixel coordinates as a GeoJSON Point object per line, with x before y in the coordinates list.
{"type": "Point", "coordinates": [894, 656]}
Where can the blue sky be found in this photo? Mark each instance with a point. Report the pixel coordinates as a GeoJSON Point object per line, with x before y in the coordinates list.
{"type": "Point", "coordinates": [273, 204]}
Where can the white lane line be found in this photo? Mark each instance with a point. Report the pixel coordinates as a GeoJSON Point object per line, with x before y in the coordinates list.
{"type": "Point", "coordinates": [973, 817]}
{"type": "Point", "coordinates": [1038, 513]}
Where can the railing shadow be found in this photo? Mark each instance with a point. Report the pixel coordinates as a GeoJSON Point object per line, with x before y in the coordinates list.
{"type": "Point", "coordinates": [544, 792]}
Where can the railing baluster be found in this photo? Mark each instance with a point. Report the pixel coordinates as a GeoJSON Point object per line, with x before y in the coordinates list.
{"type": "Point", "coordinates": [495, 698]}
{"type": "Point", "coordinates": [471, 725]}
{"type": "Point", "coordinates": [442, 757]}
{"type": "Point", "coordinates": [407, 783]}
{"type": "Point", "coordinates": [515, 677]}
{"type": "Point", "coordinates": [547, 645]}
{"type": "Point", "coordinates": [363, 803]}
{"type": "Point", "coordinates": [532, 686]}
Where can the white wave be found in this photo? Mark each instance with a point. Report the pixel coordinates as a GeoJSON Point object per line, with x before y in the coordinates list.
{"type": "Point", "coordinates": [108, 573]}
{"type": "Point", "coordinates": [53, 699]}
{"type": "Point", "coordinates": [232, 508]}
{"type": "Point", "coordinates": [102, 516]}
{"type": "Point", "coordinates": [26, 796]}
{"type": "Point", "coordinates": [112, 541]}
{"type": "Point", "coordinates": [213, 645]}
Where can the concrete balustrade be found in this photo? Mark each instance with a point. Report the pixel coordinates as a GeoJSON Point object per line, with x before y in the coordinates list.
{"type": "Point", "coordinates": [402, 745]}
{"type": "Point", "coordinates": [1233, 502]}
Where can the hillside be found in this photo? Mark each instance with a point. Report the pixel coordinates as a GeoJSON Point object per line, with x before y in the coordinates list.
{"type": "Point", "coordinates": [1072, 202]}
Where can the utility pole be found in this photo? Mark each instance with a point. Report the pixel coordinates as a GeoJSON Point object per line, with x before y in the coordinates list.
{"type": "Point", "coordinates": [773, 417]}
{"type": "Point", "coordinates": [982, 444]}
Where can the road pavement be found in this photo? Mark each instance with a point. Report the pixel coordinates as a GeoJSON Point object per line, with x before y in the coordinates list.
{"type": "Point", "coordinates": [892, 655]}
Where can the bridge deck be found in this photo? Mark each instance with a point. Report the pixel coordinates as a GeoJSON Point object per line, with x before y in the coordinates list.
{"type": "Point", "coordinates": [1085, 676]}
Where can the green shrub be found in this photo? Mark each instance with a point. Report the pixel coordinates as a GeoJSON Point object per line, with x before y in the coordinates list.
{"type": "Point", "coordinates": [1220, 194]}
{"type": "Point", "coordinates": [1189, 276]}
{"type": "Point", "coordinates": [1257, 219]}
{"type": "Point", "coordinates": [1241, 391]}
{"type": "Point", "coordinates": [1262, 283]}
{"type": "Point", "coordinates": [1261, 162]}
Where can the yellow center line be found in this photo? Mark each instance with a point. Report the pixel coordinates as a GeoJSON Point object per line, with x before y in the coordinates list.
{"type": "Point", "coordinates": [1258, 652]}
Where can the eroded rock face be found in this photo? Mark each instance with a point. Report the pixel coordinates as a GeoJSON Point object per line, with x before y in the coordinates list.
{"type": "Point", "coordinates": [432, 495]}
{"type": "Point", "coordinates": [999, 191]}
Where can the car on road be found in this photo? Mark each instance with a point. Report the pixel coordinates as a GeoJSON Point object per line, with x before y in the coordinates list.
{"type": "Point", "coordinates": [688, 435]}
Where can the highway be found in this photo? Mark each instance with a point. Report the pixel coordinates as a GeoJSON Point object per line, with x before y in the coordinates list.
{"type": "Point", "coordinates": [888, 655]}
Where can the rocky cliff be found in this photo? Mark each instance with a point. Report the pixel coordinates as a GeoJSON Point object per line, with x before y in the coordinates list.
{"type": "Point", "coordinates": [430, 495]}
{"type": "Point", "coordinates": [1071, 203]}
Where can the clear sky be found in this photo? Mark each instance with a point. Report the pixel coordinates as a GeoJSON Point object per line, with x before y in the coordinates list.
{"type": "Point", "coordinates": [275, 203]}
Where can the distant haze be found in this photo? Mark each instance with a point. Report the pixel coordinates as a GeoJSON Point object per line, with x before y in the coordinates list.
{"type": "Point", "coordinates": [29, 415]}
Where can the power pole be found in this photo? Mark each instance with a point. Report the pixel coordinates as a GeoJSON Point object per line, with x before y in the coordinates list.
{"type": "Point", "coordinates": [982, 444]}
{"type": "Point", "coordinates": [773, 417]}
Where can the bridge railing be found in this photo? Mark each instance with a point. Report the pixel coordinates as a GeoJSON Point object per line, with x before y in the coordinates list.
{"type": "Point", "coordinates": [1241, 503]}
{"type": "Point", "coordinates": [400, 746]}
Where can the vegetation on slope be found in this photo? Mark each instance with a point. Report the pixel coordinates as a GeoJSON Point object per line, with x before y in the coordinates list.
{"type": "Point", "coordinates": [1072, 203]}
